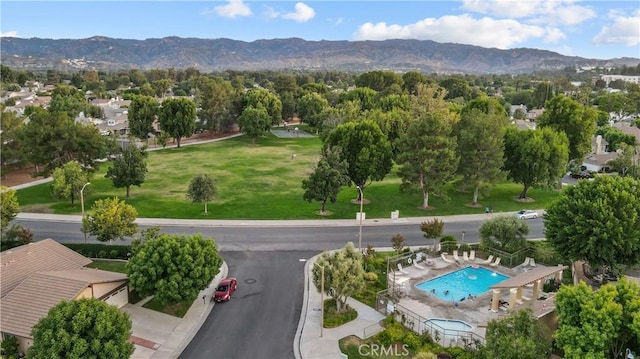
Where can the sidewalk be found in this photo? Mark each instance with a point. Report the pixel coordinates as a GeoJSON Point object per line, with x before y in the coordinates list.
{"type": "Point", "coordinates": [314, 342]}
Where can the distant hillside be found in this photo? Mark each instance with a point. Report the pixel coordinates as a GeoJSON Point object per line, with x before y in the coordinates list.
{"type": "Point", "coordinates": [225, 54]}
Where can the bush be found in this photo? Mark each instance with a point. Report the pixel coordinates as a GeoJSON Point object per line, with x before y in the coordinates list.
{"type": "Point", "coordinates": [392, 334]}
{"type": "Point", "coordinates": [448, 244]}
{"type": "Point", "coordinates": [412, 340]}
{"type": "Point", "coordinates": [464, 248]}
{"type": "Point", "coordinates": [95, 250]}
{"type": "Point", "coordinates": [9, 347]}
{"type": "Point", "coordinates": [333, 318]}
{"type": "Point", "coordinates": [370, 277]}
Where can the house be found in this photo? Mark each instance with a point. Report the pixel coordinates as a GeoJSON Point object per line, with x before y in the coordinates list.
{"type": "Point", "coordinates": [597, 160]}
{"type": "Point", "coordinates": [631, 79]}
{"type": "Point", "coordinates": [532, 115]}
{"type": "Point", "coordinates": [628, 129]}
{"type": "Point", "coordinates": [37, 276]}
{"type": "Point", "coordinates": [514, 108]}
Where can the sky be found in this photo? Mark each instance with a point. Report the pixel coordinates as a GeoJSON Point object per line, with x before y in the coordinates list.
{"type": "Point", "coordinates": [590, 29]}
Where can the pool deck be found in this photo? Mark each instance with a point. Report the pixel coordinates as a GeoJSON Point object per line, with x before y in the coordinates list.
{"type": "Point", "coordinates": [474, 311]}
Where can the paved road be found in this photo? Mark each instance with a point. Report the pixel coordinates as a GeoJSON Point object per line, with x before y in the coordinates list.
{"type": "Point", "coordinates": [240, 237]}
{"type": "Point", "coordinates": [261, 319]}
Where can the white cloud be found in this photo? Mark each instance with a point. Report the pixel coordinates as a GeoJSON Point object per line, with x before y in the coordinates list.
{"type": "Point", "coordinates": [624, 29]}
{"type": "Point", "coordinates": [302, 13]}
{"type": "Point", "coordinates": [271, 13]}
{"type": "Point", "coordinates": [463, 29]}
{"type": "Point", "coordinates": [554, 35]}
{"type": "Point", "coordinates": [233, 9]}
{"type": "Point", "coordinates": [336, 21]}
{"type": "Point", "coordinates": [9, 34]}
{"type": "Point", "coordinates": [564, 12]}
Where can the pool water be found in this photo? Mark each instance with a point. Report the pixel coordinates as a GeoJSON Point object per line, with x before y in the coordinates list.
{"type": "Point", "coordinates": [448, 324]}
{"type": "Point", "coordinates": [456, 286]}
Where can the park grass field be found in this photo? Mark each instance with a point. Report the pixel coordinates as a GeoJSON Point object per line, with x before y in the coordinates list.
{"type": "Point", "coordinates": [262, 181]}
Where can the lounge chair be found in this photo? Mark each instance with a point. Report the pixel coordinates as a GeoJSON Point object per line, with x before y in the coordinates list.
{"type": "Point", "coordinates": [526, 262]}
{"type": "Point", "coordinates": [465, 256]}
{"type": "Point", "coordinates": [532, 262]}
{"type": "Point", "coordinates": [472, 256]}
{"type": "Point", "coordinates": [495, 264]}
{"type": "Point", "coordinates": [455, 256]}
{"type": "Point", "coordinates": [488, 260]}
{"type": "Point", "coordinates": [444, 258]}
{"type": "Point", "coordinates": [401, 270]}
{"type": "Point", "coordinates": [416, 265]}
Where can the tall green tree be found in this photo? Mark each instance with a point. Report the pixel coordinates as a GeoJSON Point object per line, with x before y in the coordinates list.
{"type": "Point", "coordinates": [535, 158]}
{"type": "Point", "coordinates": [9, 206]}
{"type": "Point", "coordinates": [215, 99]}
{"type": "Point", "coordinates": [67, 99]}
{"type": "Point", "coordinates": [628, 161]}
{"type": "Point", "coordinates": [480, 149]}
{"type": "Point", "coordinates": [178, 118]}
{"type": "Point", "coordinates": [83, 328]}
{"type": "Point", "coordinates": [411, 80]}
{"type": "Point", "coordinates": [598, 324]}
{"type": "Point", "coordinates": [343, 274]}
{"type": "Point", "coordinates": [143, 110]}
{"type": "Point", "coordinates": [504, 233]}
{"type": "Point", "coordinates": [174, 267]}
{"type": "Point", "coordinates": [366, 150]}
{"type": "Point", "coordinates": [129, 168]}
{"type": "Point", "coordinates": [564, 114]}
{"type": "Point", "coordinates": [309, 107]}
{"type": "Point", "coordinates": [110, 219]}
{"type": "Point", "coordinates": [10, 146]}
{"type": "Point", "coordinates": [518, 336]}
{"type": "Point", "coordinates": [427, 155]}
{"type": "Point", "coordinates": [268, 100]}
{"type": "Point", "coordinates": [50, 140]}
{"type": "Point", "coordinates": [254, 122]}
{"type": "Point", "coordinates": [328, 177]}
{"type": "Point", "coordinates": [597, 221]}
{"type": "Point", "coordinates": [202, 189]}
{"type": "Point", "coordinates": [68, 180]}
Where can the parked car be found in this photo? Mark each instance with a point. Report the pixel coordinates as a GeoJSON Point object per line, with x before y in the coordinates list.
{"type": "Point", "coordinates": [527, 214]}
{"type": "Point", "coordinates": [581, 175]}
{"type": "Point", "coordinates": [225, 290]}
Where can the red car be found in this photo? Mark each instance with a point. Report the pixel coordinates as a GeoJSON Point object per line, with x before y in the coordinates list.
{"type": "Point", "coordinates": [225, 290]}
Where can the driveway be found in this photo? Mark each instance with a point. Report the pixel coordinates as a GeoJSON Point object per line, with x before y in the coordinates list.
{"type": "Point", "coordinates": [150, 329]}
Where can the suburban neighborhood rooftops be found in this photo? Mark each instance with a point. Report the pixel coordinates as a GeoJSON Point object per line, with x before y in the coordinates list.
{"type": "Point", "coordinates": [17, 264]}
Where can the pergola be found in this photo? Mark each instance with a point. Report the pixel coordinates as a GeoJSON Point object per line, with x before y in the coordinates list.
{"type": "Point", "coordinates": [517, 283]}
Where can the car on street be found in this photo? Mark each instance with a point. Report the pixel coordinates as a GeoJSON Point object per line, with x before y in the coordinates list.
{"type": "Point", "coordinates": [225, 289]}
{"type": "Point", "coordinates": [581, 175]}
{"type": "Point", "coordinates": [527, 214]}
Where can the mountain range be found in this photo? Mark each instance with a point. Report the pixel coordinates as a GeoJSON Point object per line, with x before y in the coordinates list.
{"type": "Point", "coordinates": [106, 53]}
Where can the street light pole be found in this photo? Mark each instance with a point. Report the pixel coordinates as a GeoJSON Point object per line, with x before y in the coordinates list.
{"type": "Point", "coordinates": [321, 298]}
{"type": "Point", "coordinates": [82, 196]}
{"type": "Point", "coordinates": [360, 234]}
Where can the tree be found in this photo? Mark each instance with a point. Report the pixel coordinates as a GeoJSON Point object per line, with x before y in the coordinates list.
{"type": "Point", "coordinates": [174, 267]}
{"type": "Point", "coordinates": [366, 150]}
{"type": "Point", "coordinates": [343, 274]}
{"type": "Point", "coordinates": [10, 146]}
{"type": "Point", "coordinates": [129, 168]}
{"type": "Point", "coordinates": [518, 336]}
{"type": "Point", "coordinates": [268, 100]}
{"type": "Point", "coordinates": [598, 324]}
{"type": "Point", "coordinates": [426, 155]}
{"type": "Point", "coordinates": [432, 228]}
{"type": "Point", "coordinates": [83, 328]}
{"type": "Point", "coordinates": [398, 242]}
{"type": "Point", "coordinates": [597, 221]}
{"type": "Point", "coordinates": [9, 207]}
{"type": "Point", "coordinates": [67, 99]}
{"type": "Point", "coordinates": [535, 158]}
{"type": "Point", "coordinates": [505, 233]}
{"type": "Point", "coordinates": [254, 122]}
{"type": "Point", "coordinates": [310, 106]}
{"type": "Point", "coordinates": [68, 180]}
{"type": "Point", "coordinates": [178, 118]}
{"type": "Point", "coordinates": [51, 140]}
{"type": "Point", "coordinates": [480, 149]}
{"type": "Point", "coordinates": [578, 122]}
{"type": "Point", "coordinates": [111, 219]}
{"type": "Point", "coordinates": [143, 110]}
{"type": "Point", "coordinates": [411, 80]}
{"type": "Point", "coordinates": [215, 98]}
{"type": "Point", "coordinates": [328, 177]}
{"type": "Point", "coordinates": [628, 161]}
{"type": "Point", "coordinates": [201, 190]}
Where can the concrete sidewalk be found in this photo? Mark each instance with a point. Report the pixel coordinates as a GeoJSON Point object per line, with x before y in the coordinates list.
{"type": "Point", "coordinates": [314, 342]}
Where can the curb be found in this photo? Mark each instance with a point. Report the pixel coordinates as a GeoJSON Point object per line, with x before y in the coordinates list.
{"type": "Point", "coordinates": [297, 349]}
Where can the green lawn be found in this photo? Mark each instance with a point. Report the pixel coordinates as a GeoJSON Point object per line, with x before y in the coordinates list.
{"type": "Point", "coordinates": [263, 182]}
{"type": "Point", "coordinates": [111, 266]}
{"type": "Point", "coordinates": [176, 309]}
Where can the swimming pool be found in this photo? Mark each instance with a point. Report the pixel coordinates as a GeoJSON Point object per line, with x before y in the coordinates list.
{"type": "Point", "coordinates": [456, 286]}
{"type": "Point", "coordinates": [449, 324]}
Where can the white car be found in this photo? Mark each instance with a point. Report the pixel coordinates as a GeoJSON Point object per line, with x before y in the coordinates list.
{"type": "Point", "coordinates": [527, 214]}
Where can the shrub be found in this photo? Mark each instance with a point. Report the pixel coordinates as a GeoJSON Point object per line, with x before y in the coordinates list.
{"type": "Point", "coordinates": [464, 248]}
{"type": "Point", "coordinates": [412, 340]}
{"type": "Point", "coordinates": [392, 334]}
{"type": "Point", "coordinates": [370, 277]}
{"type": "Point", "coordinates": [113, 253]}
{"type": "Point", "coordinates": [95, 250]}
{"type": "Point", "coordinates": [448, 244]}
{"type": "Point", "coordinates": [102, 254]}
{"type": "Point", "coordinates": [9, 347]}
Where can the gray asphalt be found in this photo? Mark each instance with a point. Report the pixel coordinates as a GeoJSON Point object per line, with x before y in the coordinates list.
{"type": "Point", "coordinates": [261, 319]}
